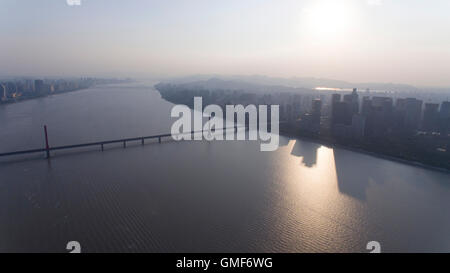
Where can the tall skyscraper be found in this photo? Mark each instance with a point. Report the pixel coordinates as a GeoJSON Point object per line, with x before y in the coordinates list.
{"type": "Point", "coordinates": [342, 113]}
{"type": "Point", "coordinates": [39, 86]}
{"type": "Point", "coordinates": [310, 122]}
{"type": "Point", "coordinates": [380, 118]}
{"type": "Point", "coordinates": [335, 99]}
{"type": "Point", "coordinates": [316, 107]}
{"type": "Point", "coordinates": [358, 126]}
{"type": "Point", "coordinates": [400, 104]}
{"type": "Point", "coordinates": [355, 101]}
{"type": "Point", "coordinates": [413, 111]}
{"type": "Point", "coordinates": [3, 92]}
{"type": "Point", "coordinates": [316, 111]}
{"type": "Point", "coordinates": [444, 118]}
{"type": "Point", "coordinates": [445, 109]}
{"type": "Point", "coordinates": [366, 106]}
{"type": "Point", "coordinates": [385, 103]}
{"type": "Point", "coordinates": [352, 101]}
{"type": "Point", "coordinates": [430, 117]}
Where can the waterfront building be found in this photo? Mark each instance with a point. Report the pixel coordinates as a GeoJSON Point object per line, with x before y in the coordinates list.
{"type": "Point", "coordinates": [352, 101]}
{"type": "Point", "coordinates": [39, 86]}
{"type": "Point", "coordinates": [444, 120]}
{"type": "Point", "coordinates": [366, 106]}
{"type": "Point", "coordinates": [3, 92]}
{"type": "Point", "coordinates": [316, 110]}
{"type": "Point", "coordinates": [358, 126]}
{"type": "Point", "coordinates": [413, 111]}
{"type": "Point", "coordinates": [430, 117]}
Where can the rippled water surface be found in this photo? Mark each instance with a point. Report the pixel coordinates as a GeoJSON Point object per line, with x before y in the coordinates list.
{"type": "Point", "coordinates": [200, 196]}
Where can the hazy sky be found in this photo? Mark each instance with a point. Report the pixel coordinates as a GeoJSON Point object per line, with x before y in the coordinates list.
{"type": "Point", "coordinates": [405, 41]}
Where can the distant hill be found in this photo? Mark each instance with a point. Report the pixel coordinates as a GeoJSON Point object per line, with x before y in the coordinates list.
{"type": "Point", "coordinates": [294, 82]}
{"type": "Point", "coordinates": [238, 85]}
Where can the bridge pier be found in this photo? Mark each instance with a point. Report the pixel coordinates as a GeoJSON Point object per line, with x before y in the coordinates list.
{"type": "Point", "coordinates": [47, 147]}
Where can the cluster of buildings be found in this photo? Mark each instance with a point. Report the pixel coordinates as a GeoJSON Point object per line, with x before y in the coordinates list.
{"type": "Point", "coordinates": [344, 115]}
{"type": "Point", "coordinates": [350, 116]}
{"type": "Point", "coordinates": [388, 123]}
{"type": "Point", "coordinates": [380, 116]}
{"type": "Point", "coordinates": [408, 128]}
{"type": "Point", "coordinates": [18, 89]}
{"type": "Point", "coordinates": [28, 88]}
{"type": "Point", "coordinates": [341, 115]}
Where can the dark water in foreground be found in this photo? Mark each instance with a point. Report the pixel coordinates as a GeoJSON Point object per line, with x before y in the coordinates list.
{"type": "Point", "coordinates": [200, 196]}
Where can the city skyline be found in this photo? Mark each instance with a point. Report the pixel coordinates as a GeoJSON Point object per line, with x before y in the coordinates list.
{"type": "Point", "coordinates": [355, 40]}
{"type": "Point", "coordinates": [254, 128]}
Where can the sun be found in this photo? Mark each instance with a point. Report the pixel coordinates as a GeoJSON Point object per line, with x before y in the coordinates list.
{"type": "Point", "coordinates": [327, 19]}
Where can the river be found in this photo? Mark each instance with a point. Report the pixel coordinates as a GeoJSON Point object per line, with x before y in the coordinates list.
{"type": "Point", "coordinates": [200, 196]}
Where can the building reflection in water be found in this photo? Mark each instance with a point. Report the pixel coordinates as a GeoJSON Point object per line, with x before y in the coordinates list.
{"type": "Point", "coordinates": [350, 178]}
{"type": "Point", "coordinates": [308, 152]}
{"type": "Point", "coordinates": [311, 202]}
{"type": "Point", "coordinates": [355, 176]}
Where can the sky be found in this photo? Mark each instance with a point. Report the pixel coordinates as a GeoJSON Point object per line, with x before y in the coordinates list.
{"type": "Point", "coordinates": [400, 41]}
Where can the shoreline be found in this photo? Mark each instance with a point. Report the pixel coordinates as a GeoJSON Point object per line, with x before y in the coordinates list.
{"type": "Point", "coordinates": [23, 99]}
{"type": "Point", "coordinates": [370, 153]}
{"type": "Point", "coordinates": [381, 155]}
{"type": "Point", "coordinates": [326, 142]}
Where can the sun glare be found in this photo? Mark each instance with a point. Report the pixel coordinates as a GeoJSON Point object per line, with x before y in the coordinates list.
{"type": "Point", "coordinates": [327, 20]}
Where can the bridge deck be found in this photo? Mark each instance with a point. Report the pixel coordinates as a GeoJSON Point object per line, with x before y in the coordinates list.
{"type": "Point", "coordinates": [102, 143]}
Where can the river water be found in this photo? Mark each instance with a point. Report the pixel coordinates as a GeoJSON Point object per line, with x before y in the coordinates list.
{"type": "Point", "coordinates": [200, 196]}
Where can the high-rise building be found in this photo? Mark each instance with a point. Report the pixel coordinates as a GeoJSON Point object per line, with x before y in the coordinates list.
{"type": "Point", "coordinates": [366, 106]}
{"type": "Point", "coordinates": [380, 119]}
{"type": "Point", "coordinates": [282, 112]}
{"type": "Point", "coordinates": [445, 109]}
{"type": "Point", "coordinates": [310, 122]}
{"type": "Point", "coordinates": [3, 92]}
{"type": "Point", "coordinates": [407, 115]}
{"type": "Point", "coordinates": [39, 86]}
{"type": "Point", "coordinates": [355, 101]}
{"type": "Point", "coordinates": [430, 117]}
{"type": "Point", "coordinates": [348, 98]}
{"type": "Point", "coordinates": [342, 113]}
{"type": "Point", "coordinates": [316, 108]}
{"type": "Point", "coordinates": [399, 113]}
{"type": "Point", "coordinates": [358, 126]}
{"type": "Point", "coordinates": [413, 111]}
{"type": "Point", "coordinates": [385, 103]}
{"type": "Point", "coordinates": [400, 104]}
{"type": "Point", "coordinates": [444, 118]}
{"type": "Point", "coordinates": [11, 87]}
{"type": "Point", "coordinates": [289, 113]}
{"type": "Point", "coordinates": [335, 99]}
{"type": "Point", "coordinates": [352, 101]}
{"type": "Point", "coordinates": [316, 114]}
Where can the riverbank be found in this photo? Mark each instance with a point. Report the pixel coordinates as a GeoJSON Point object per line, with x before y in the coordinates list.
{"type": "Point", "coordinates": [69, 86]}
{"type": "Point", "coordinates": [332, 144]}
{"type": "Point", "coordinates": [415, 157]}
{"type": "Point", "coordinates": [21, 99]}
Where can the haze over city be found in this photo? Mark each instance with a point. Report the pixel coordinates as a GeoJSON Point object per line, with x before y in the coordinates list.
{"type": "Point", "coordinates": [402, 41]}
{"type": "Point", "coordinates": [193, 128]}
